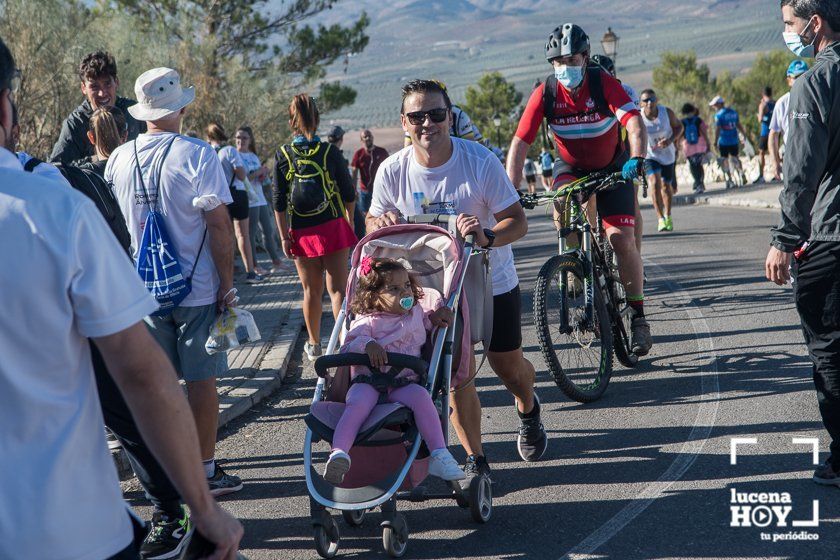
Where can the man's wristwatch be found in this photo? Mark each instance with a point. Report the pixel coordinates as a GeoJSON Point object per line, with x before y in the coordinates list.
{"type": "Point", "coordinates": [491, 237]}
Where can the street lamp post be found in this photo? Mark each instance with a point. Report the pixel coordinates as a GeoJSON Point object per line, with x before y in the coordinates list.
{"type": "Point", "coordinates": [609, 42]}
{"type": "Point", "coordinates": [497, 122]}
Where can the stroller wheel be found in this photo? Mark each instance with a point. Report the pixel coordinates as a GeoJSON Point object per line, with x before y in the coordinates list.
{"type": "Point", "coordinates": [354, 518]}
{"type": "Point", "coordinates": [481, 499]}
{"type": "Point", "coordinates": [395, 536]}
{"type": "Point", "coordinates": [326, 537]}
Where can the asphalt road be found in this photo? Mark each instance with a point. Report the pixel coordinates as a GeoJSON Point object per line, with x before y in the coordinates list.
{"type": "Point", "coordinates": [643, 473]}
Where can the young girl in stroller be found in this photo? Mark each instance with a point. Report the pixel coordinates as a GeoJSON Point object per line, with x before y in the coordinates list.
{"type": "Point", "coordinates": [388, 318]}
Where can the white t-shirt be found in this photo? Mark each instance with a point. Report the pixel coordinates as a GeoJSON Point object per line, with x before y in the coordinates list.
{"type": "Point", "coordinates": [779, 120]}
{"type": "Point", "coordinates": [251, 162]}
{"type": "Point", "coordinates": [191, 170]}
{"type": "Point", "coordinates": [473, 181]}
{"type": "Point", "coordinates": [659, 128]}
{"type": "Point", "coordinates": [44, 169]}
{"type": "Point", "coordinates": [231, 159]}
{"type": "Point", "coordinates": [65, 278]}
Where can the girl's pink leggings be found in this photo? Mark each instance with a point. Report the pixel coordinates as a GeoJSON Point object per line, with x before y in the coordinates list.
{"type": "Point", "coordinates": [361, 398]}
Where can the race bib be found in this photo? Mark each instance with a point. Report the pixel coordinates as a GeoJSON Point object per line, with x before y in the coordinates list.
{"type": "Point", "coordinates": [446, 207]}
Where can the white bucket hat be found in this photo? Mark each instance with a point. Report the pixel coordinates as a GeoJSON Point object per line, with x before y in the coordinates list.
{"type": "Point", "coordinates": [159, 94]}
{"type": "Point", "coordinates": [718, 100]}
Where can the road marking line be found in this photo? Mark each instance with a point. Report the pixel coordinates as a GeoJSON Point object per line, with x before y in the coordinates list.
{"type": "Point", "coordinates": [733, 447]}
{"type": "Point", "coordinates": [813, 442]}
{"type": "Point", "coordinates": [700, 431]}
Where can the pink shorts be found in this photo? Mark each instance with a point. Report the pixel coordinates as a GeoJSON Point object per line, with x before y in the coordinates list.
{"type": "Point", "coordinates": [323, 239]}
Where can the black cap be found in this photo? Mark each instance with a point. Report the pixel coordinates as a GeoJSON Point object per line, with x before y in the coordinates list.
{"type": "Point", "coordinates": [335, 133]}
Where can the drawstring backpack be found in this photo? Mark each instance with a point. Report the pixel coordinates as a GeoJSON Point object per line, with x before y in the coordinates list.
{"type": "Point", "coordinates": [157, 261]}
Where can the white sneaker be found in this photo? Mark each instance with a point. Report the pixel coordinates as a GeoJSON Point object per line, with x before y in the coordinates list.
{"type": "Point", "coordinates": [337, 466]}
{"type": "Point", "coordinates": [312, 351]}
{"type": "Point", "coordinates": [444, 466]}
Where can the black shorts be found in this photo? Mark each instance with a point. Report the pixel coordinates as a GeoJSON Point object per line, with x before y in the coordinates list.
{"type": "Point", "coordinates": [239, 207]}
{"type": "Point", "coordinates": [546, 173]}
{"type": "Point", "coordinates": [617, 207]}
{"type": "Point", "coordinates": [507, 322]}
{"type": "Point", "coordinates": [531, 178]}
{"type": "Point", "coordinates": [762, 143]}
{"type": "Point", "coordinates": [668, 172]}
{"type": "Point", "coordinates": [726, 151]}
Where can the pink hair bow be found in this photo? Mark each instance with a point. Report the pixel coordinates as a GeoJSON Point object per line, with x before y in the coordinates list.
{"type": "Point", "coordinates": [366, 266]}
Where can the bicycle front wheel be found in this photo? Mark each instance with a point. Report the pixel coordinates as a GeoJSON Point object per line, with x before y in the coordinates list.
{"type": "Point", "coordinates": [577, 348]}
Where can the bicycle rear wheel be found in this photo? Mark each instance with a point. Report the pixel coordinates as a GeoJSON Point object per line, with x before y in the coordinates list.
{"type": "Point", "coordinates": [578, 352]}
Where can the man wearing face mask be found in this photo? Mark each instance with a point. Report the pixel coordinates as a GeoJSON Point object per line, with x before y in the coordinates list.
{"type": "Point", "coordinates": [810, 229]}
{"type": "Point", "coordinates": [585, 108]}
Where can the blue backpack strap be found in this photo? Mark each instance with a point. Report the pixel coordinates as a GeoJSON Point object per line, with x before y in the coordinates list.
{"type": "Point", "coordinates": [160, 170]}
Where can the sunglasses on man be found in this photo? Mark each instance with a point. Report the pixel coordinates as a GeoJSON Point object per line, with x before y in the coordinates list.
{"type": "Point", "coordinates": [648, 100]}
{"type": "Point", "coordinates": [419, 117]}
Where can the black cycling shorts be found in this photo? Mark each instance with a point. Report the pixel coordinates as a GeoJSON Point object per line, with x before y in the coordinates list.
{"type": "Point", "coordinates": [726, 151]}
{"type": "Point", "coordinates": [507, 322]}
{"type": "Point", "coordinates": [239, 207]}
{"type": "Point", "coordinates": [617, 207]}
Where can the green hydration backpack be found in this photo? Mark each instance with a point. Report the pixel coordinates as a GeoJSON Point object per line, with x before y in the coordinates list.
{"type": "Point", "coordinates": [312, 191]}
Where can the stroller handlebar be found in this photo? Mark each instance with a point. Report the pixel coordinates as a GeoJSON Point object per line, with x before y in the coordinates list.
{"type": "Point", "coordinates": [442, 220]}
{"type": "Point", "coordinates": [399, 361]}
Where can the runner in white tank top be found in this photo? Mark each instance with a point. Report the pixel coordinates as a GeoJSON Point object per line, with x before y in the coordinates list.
{"type": "Point", "coordinates": [663, 128]}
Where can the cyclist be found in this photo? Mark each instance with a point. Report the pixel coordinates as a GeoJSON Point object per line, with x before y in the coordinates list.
{"type": "Point", "coordinates": [727, 127]}
{"type": "Point", "coordinates": [663, 128]}
{"type": "Point", "coordinates": [585, 107]}
{"type": "Point", "coordinates": [607, 64]}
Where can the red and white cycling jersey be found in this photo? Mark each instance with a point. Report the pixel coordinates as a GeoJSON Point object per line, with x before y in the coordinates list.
{"type": "Point", "coordinates": [585, 138]}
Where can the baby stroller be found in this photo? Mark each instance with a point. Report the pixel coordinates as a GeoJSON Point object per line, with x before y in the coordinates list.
{"type": "Point", "coordinates": [389, 458]}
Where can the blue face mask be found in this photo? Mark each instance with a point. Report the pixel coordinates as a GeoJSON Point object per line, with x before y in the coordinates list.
{"type": "Point", "coordinates": [407, 302]}
{"type": "Point", "coordinates": [794, 42]}
{"type": "Point", "coordinates": [569, 76]}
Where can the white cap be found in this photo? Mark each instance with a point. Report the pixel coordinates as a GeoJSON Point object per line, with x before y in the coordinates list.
{"type": "Point", "coordinates": [718, 100]}
{"type": "Point", "coordinates": [159, 94]}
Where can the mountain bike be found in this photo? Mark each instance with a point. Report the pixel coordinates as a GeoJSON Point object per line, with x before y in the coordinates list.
{"type": "Point", "coordinates": [580, 306]}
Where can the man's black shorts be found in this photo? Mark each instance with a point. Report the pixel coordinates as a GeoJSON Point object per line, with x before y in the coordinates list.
{"type": "Point", "coordinates": [530, 179]}
{"type": "Point", "coordinates": [546, 173]}
{"type": "Point", "coordinates": [668, 172]}
{"type": "Point", "coordinates": [726, 151]}
{"type": "Point", "coordinates": [617, 207]}
{"type": "Point", "coordinates": [507, 322]}
{"type": "Point", "coordinates": [762, 143]}
{"type": "Point", "coordinates": [239, 207]}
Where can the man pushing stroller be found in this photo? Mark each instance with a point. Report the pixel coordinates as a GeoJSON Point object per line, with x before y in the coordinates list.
{"type": "Point", "coordinates": [438, 174]}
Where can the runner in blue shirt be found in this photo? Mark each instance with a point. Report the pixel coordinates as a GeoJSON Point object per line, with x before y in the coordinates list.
{"type": "Point", "coordinates": [727, 126]}
{"type": "Point", "coordinates": [765, 114]}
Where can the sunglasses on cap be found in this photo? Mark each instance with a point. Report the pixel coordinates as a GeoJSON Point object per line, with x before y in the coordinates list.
{"type": "Point", "coordinates": [419, 117]}
{"type": "Point", "coordinates": [648, 100]}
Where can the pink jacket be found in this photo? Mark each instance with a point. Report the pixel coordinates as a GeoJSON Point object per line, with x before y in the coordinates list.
{"type": "Point", "coordinates": [402, 334]}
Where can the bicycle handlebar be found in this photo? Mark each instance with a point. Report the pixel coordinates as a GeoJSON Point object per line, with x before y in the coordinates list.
{"type": "Point", "coordinates": [586, 186]}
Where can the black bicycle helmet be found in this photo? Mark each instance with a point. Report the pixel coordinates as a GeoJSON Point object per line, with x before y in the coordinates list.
{"type": "Point", "coordinates": [604, 62]}
{"type": "Point", "coordinates": [568, 39]}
